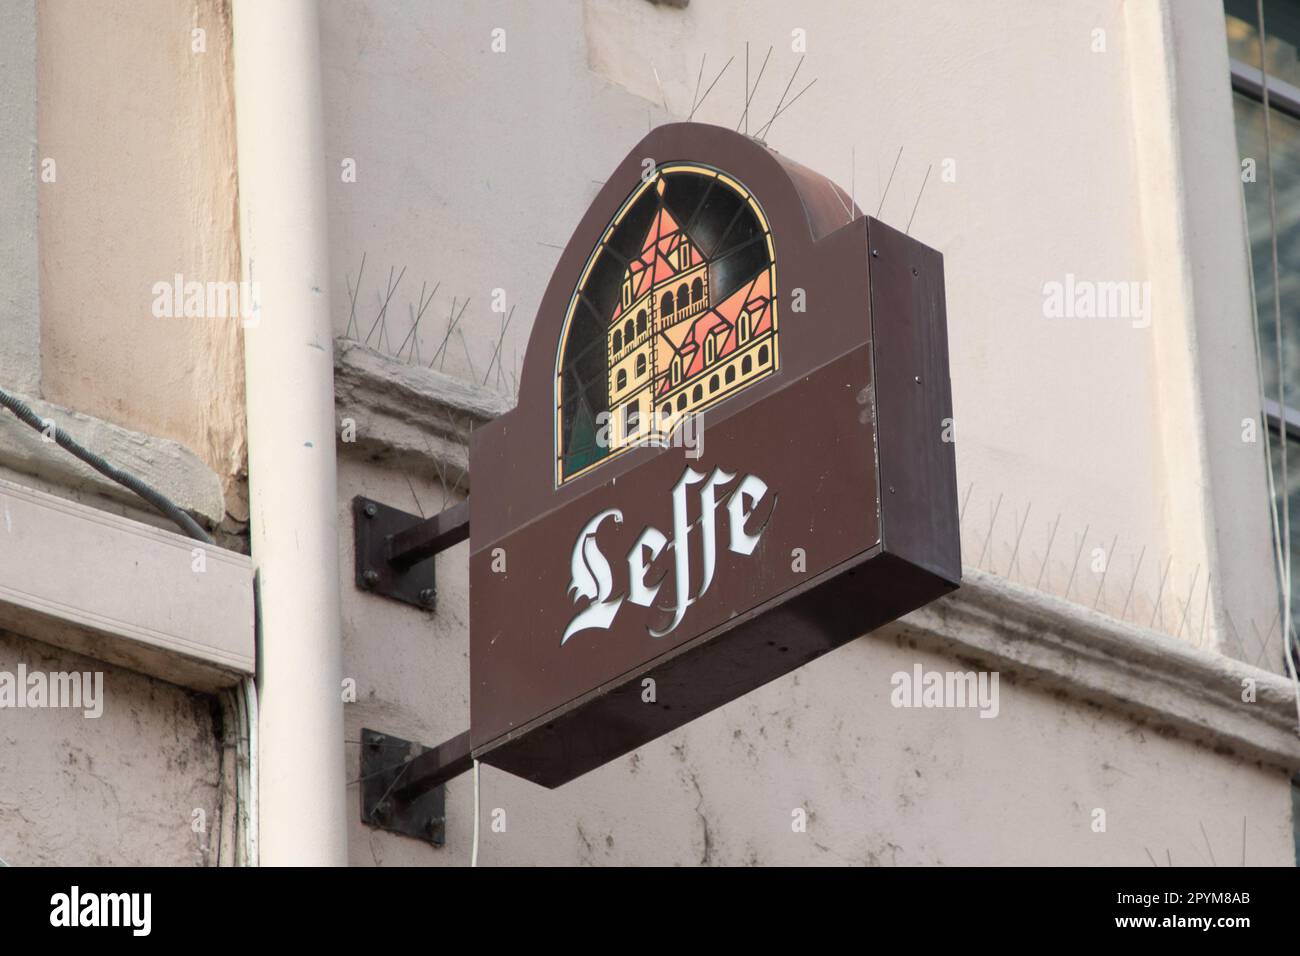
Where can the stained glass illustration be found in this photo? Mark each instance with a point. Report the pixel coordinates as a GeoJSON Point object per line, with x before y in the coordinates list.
{"type": "Point", "coordinates": [674, 312]}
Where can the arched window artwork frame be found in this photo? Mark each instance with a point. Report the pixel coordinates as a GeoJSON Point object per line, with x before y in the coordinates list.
{"type": "Point", "coordinates": [693, 217]}
{"type": "Point", "coordinates": [621, 379]}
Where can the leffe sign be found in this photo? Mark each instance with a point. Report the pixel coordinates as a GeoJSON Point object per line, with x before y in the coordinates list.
{"type": "Point", "coordinates": [623, 582]}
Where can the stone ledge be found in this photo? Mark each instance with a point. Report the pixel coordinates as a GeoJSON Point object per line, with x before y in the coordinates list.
{"type": "Point", "coordinates": [123, 592]}
{"type": "Point", "coordinates": [1057, 645]}
{"type": "Point", "coordinates": [167, 465]}
{"type": "Point", "coordinates": [407, 415]}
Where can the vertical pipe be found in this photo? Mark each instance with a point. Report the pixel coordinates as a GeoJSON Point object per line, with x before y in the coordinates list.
{"type": "Point", "coordinates": [289, 368]}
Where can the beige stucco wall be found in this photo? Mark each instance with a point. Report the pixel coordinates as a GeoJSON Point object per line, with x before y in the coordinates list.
{"type": "Point", "coordinates": [472, 167]}
{"type": "Point", "coordinates": [120, 789]}
{"type": "Point", "coordinates": [140, 132]}
{"type": "Point", "coordinates": [1096, 460]}
{"type": "Point", "coordinates": [141, 129]}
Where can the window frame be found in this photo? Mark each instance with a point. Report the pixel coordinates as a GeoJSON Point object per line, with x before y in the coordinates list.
{"type": "Point", "coordinates": [1285, 98]}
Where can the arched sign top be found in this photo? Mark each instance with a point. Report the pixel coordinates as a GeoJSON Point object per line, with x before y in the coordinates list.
{"type": "Point", "coordinates": [675, 310]}
{"type": "Point", "coordinates": [798, 210]}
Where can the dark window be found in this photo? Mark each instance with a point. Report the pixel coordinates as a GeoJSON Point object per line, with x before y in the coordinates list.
{"type": "Point", "coordinates": [682, 293]}
{"type": "Point", "coordinates": [628, 330]}
{"type": "Point", "coordinates": [746, 366]}
{"type": "Point", "coordinates": [1280, 372]}
{"type": "Point", "coordinates": [731, 374]}
{"type": "Point", "coordinates": [697, 290]}
{"type": "Point", "coordinates": [698, 393]}
{"type": "Point", "coordinates": [665, 411]}
{"type": "Point", "coordinates": [762, 355]}
{"type": "Point", "coordinates": [618, 341]}
{"type": "Point", "coordinates": [640, 322]}
{"type": "Point", "coordinates": [681, 401]}
{"type": "Point", "coordinates": [640, 365]}
{"type": "Point", "coordinates": [666, 304]}
{"type": "Point", "coordinates": [713, 384]}
{"type": "Point", "coordinates": [621, 379]}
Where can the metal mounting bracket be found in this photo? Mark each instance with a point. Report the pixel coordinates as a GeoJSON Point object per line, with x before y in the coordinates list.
{"type": "Point", "coordinates": [395, 550]}
{"type": "Point", "coordinates": [403, 784]}
{"type": "Point", "coordinates": [383, 759]}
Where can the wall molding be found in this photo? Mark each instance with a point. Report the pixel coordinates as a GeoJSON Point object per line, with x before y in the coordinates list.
{"type": "Point", "coordinates": [166, 465]}
{"type": "Point", "coordinates": [123, 592]}
{"type": "Point", "coordinates": [1060, 646]}
{"type": "Point", "coordinates": [407, 415]}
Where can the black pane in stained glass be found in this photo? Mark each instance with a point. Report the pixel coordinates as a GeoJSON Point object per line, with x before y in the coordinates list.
{"type": "Point", "coordinates": [586, 360]}
{"type": "Point", "coordinates": [585, 328]}
{"type": "Point", "coordinates": [732, 271]}
{"type": "Point", "coordinates": [604, 286]}
{"type": "Point", "coordinates": [626, 240]}
{"type": "Point", "coordinates": [683, 193]}
{"type": "Point", "coordinates": [714, 218]}
{"type": "Point", "coordinates": [744, 229]}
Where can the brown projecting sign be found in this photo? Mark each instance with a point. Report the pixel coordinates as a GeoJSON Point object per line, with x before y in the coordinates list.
{"type": "Point", "coordinates": [731, 454]}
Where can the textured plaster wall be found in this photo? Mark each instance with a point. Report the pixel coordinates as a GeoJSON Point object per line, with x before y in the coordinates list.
{"type": "Point", "coordinates": [141, 129]}
{"type": "Point", "coordinates": [140, 132]}
{"type": "Point", "coordinates": [20, 310]}
{"type": "Point", "coordinates": [1085, 446]}
{"type": "Point", "coordinates": [120, 789]}
{"type": "Point", "coordinates": [472, 166]}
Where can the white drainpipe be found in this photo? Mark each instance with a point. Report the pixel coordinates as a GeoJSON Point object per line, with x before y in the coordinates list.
{"type": "Point", "coordinates": [289, 372]}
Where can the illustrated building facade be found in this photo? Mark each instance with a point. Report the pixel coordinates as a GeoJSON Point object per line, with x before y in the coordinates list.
{"type": "Point", "coordinates": [671, 351]}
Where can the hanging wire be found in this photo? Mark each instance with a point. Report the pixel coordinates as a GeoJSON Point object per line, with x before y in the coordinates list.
{"type": "Point", "coordinates": [473, 855]}
{"type": "Point", "coordinates": [24, 413]}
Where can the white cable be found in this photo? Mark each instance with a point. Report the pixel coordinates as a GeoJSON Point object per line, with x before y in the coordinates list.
{"type": "Point", "coordinates": [250, 701]}
{"type": "Point", "coordinates": [240, 817]}
{"type": "Point", "coordinates": [473, 856]}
